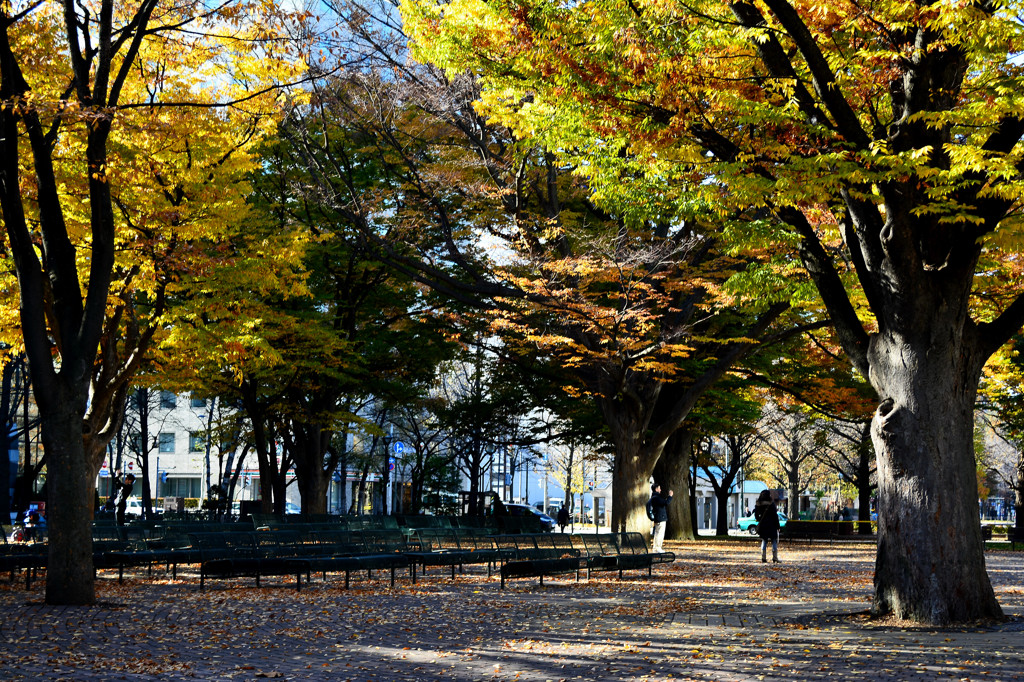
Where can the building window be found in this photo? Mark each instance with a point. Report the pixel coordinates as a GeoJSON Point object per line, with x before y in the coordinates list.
{"type": "Point", "coordinates": [196, 442]}
{"type": "Point", "coordinates": [181, 487]}
{"type": "Point", "coordinates": [167, 442]}
{"type": "Point", "coordinates": [197, 402]}
{"type": "Point", "coordinates": [168, 400]}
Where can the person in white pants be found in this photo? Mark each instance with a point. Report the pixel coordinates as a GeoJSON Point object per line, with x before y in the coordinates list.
{"type": "Point", "coordinates": [659, 506]}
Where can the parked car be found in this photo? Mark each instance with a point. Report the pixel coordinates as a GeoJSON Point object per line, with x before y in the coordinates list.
{"type": "Point", "coordinates": [749, 523]}
{"type": "Point", "coordinates": [526, 510]}
{"type": "Point", "coordinates": [133, 507]}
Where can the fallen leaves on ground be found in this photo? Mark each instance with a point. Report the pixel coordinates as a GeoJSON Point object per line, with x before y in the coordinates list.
{"type": "Point", "coordinates": [688, 620]}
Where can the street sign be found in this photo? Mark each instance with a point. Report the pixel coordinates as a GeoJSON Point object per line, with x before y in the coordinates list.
{"type": "Point", "coordinates": [391, 464]}
{"type": "Point", "coordinates": [398, 447]}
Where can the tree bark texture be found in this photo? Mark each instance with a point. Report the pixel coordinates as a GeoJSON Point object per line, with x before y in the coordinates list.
{"type": "Point", "coordinates": [310, 443]}
{"type": "Point", "coordinates": [672, 470]}
{"type": "Point", "coordinates": [70, 509]}
{"type": "Point", "coordinates": [631, 490]}
{"type": "Point", "coordinates": [931, 563]}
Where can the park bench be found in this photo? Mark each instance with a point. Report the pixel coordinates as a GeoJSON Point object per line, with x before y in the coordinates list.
{"type": "Point", "coordinates": [1015, 538]}
{"type": "Point", "coordinates": [798, 529]}
{"type": "Point", "coordinates": [151, 544]}
{"type": "Point", "coordinates": [411, 523]}
{"type": "Point", "coordinates": [17, 556]}
{"type": "Point", "coordinates": [537, 555]}
{"type": "Point", "coordinates": [619, 552]}
{"type": "Point", "coordinates": [169, 549]}
{"type": "Point", "coordinates": [452, 548]}
{"type": "Point", "coordinates": [238, 554]}
{"type": "Point", "coordinates": [345, 551]}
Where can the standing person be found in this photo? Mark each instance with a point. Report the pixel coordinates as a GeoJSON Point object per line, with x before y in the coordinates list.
{"type": "Point", "coordinates": [563, 517]}
{"type": "Point", "coordinates": [658, 505]}
{"type": "Point", "coordinates": [767, 515]}
{"type": "Point", "coordinates": [123, 490]}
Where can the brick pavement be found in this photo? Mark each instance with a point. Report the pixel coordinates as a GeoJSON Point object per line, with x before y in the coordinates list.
{"type": "Point", "coordinates": [715, 614]}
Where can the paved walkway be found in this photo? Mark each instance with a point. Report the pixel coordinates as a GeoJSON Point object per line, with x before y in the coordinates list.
{"type": "Point", "coordinates": [716, 614]}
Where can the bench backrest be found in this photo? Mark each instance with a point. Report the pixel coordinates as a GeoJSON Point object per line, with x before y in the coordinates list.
{"type": "Point", "coordinates": [339, 542]}
{"type": "Point", "coordinates": [633, 543]}
{"type": "Point", "coordinates": [389, 541]}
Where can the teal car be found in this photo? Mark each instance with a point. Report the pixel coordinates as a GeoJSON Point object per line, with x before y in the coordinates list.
{"type": "Point", "coordinates": [749, 523]}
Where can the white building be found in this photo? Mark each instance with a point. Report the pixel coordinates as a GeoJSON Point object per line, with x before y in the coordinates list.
{"type": "Point", "coordinates": [177, 448]}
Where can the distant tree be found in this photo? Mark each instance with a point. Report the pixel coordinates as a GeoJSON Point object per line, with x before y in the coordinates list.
{"type": "Point", "coordinates": [790, 440]}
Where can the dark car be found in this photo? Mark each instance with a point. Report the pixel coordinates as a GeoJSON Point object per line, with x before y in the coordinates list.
{"type": "Point", "coordinates": [526, 510]}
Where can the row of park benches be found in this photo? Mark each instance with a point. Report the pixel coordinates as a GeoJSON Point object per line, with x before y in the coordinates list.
{"type": "Point", "coordinates": [283, 552]}
{"type": "Point", "coordinates": [408, 523]}
{"type": "Point", "coordinates": [798, 529]}
{"type": "Point", "coordinates": [233, 553]}
{"type": "Point", "coordinates": [545, 554]}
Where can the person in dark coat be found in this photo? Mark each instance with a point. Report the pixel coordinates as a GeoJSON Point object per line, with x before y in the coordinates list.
{"type": "Point", "coordinates": [123, 490]}
{"type": "Point", "coordinates": [563, 517]}
{"type": "Point", "coordinates": [659, 504]}
{"type": "Point", "coordinates": [767, 515]}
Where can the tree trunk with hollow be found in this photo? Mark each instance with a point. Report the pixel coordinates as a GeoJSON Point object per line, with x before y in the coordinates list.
{"type": "Point", "coordinates": [931, 563]}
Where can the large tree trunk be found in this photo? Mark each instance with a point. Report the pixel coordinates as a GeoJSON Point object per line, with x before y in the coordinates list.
{"type": "Point", "coordinates": [931, 564]}
{"type": "Point", "coordinates": [70, 505]}
{"type": "Point", "coordinates": [630, 492]}
{"type": "Point", "coordinates": [313, 490]}
{"type": "Point", "coordinates": [634, 459]}
{"type": "Point", "coordinates": [310, 447]}
{"type": "Point", "coordinates": [673, 471]}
